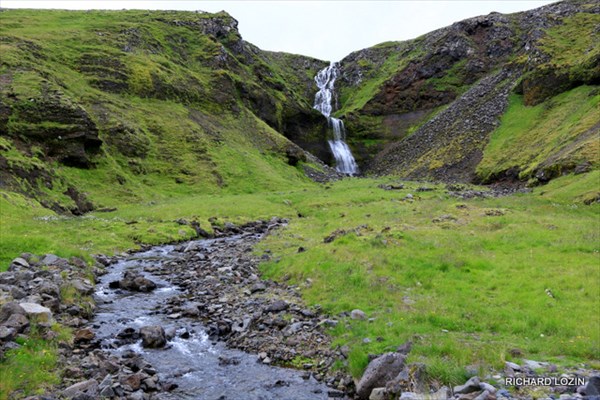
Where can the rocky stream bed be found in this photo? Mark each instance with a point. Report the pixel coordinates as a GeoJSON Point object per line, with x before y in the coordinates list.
{"type": "Point", "coordinates": [196, 321]}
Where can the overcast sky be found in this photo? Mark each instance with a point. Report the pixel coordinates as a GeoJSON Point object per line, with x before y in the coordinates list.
{"type": "Point", "coordinates": [328, 30]}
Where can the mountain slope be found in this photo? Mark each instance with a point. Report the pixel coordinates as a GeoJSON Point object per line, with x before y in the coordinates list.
{"type": "Point", "coordinates": [429, 107]}
{"type": "Point", "coordinates": [137, 104]}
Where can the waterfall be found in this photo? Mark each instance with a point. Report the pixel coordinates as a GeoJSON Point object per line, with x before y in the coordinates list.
{"type": "Point", "coordinates": [344, 161]}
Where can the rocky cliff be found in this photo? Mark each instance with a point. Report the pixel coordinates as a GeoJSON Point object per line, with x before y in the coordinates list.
{"type": "Point", "coordinates": [436, 106]}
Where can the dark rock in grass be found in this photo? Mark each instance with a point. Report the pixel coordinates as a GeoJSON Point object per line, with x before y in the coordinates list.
{"type": "Point", "coordinates": [358, 314]}
{"type": "Point", "coordinates": [472, 385]}
{"type": "Point", "coordinates": [153, 336]}
{"type": "Point", "coordinates": [379, 372]}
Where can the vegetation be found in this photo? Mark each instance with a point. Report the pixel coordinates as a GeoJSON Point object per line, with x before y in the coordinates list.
{"type": "Point", "coordinates": [562, 132]}
{"type": "Point", "coordinates": [446, 273]}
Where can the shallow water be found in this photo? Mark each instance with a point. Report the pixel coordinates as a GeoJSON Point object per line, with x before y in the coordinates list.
{"type": "Point", "coordinates": [195, 364]}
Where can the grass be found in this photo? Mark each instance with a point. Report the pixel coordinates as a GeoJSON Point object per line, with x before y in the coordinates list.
{"type": "Point", "coordinates": [32, 368]}
{"type": "Point", "coordinates": [446, 273]}
{"type": "Point", "coordinates": [563, 130]}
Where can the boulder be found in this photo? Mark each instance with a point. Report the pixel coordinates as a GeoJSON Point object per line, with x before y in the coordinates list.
{"type": "Point", "coordinates": [135, 282]}
{"type": "Point", "coordinates": [153, 336]}
{"type": "Point", "coordinates": [40, 313]}
{"type": "Point", "coordinates": [84, 335]}
{"type": "Point", "coordinates": [18, 322]}
{"type": "Point", "coordinates": [379, 372]}
{"type": "Point", "coordinates": [472, 385]}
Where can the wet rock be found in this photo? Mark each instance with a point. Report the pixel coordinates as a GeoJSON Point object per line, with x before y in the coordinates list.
{"type": "Point", "coordinates": [472, 385]}
{"type": "Point", "coordinates": [380, 371]}
{"type": "Point", "coordinates": [40, 313]}
{"type": "Point", "coordinates": [134, 282]}
{"type": "Point", "coordinates": [153, 336]}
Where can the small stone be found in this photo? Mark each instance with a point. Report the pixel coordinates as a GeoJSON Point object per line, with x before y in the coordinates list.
{"type": "Point", "coordinates": [18, 263]}
{"type": "Point", "coordinates": [277, 306]}
{"type": "Point", "coordinates": [409, 396]}
{"type": "Point", "coordinates": [593, 386]}
{"type": "Point", "coordinates": [84, 287]}
{"type": "Point", "coordinates": [358, 314]}
{"type": "Point", "coordinates": [485, 395]}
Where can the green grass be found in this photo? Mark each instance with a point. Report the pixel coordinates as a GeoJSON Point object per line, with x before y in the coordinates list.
{"type": "Point", "coordinates": [32, 368]}
{"type": "Point", "coordinates": [448, 274]}
{"type": "Point", "coordinates": [563, 130]}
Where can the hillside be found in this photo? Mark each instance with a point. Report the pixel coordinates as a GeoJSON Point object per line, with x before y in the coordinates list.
{"type": "Point", "coordinates": [104, 105]}
{"type": "Point", "coordinates": [496, 97]}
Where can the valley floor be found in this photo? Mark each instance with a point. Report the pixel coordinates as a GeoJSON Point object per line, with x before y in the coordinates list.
{"type": "Point", "coordinates": [472, 280]}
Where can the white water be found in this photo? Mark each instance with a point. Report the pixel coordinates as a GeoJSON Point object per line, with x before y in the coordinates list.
{"type": "Point", "coordinates": [344, 161]}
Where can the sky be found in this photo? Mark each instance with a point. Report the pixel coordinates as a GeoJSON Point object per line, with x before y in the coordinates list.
{"type": "Point", "coordinates": [328, 30]}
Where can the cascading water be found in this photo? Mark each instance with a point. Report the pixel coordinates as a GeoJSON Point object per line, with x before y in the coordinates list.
{"type": "Point", "coordinates": [325, 80]}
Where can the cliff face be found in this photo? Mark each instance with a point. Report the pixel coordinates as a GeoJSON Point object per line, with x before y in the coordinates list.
{"type": "Point", "coordinates": [147, 101]}
{"type": "Point", "coordinates": [430, 107]}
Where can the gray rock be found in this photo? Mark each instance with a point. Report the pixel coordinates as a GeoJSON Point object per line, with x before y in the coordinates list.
{"type": "Point", "coordinates": [40, 313]}
{"type": "Point", "coordinates": [358, 314]}
{"type": "Point", "coordinates": [17, 321]}
{"type": "Point", "coordinates": [9, 309]}
{"type": "Point", "coordinates": [409, 396]}
{"type": "Point", "coordinates": [485, 395]}
{"type": "Point", "coordinates": [7, 333]}
{"type": "Point", "coordinates": [18, 263]}
{"type": "Point", "coordinates": [593, 386]}
{"type": "Point", "coordinates": [90, 386]}
{"type": "Point", "coordinates": [84, 287]}
{"type": "Point", "coordinates": [533, 364]}
{"type": "Point", "coordinates": [378, 394]}
{"type": "Point", "coordinates": [153, 336]}
{"type": "Point", "coordinates": [513, 366]}
{"type": "Point", "coordinates": [277, 306]}
{"type": "Point", "coordinates": [380, 371]}
{"type": "Point", "coordinates": [258, 287]}
{"type": "Point", "coordinates": [442, 394]}
{"type": "Point", "coordinates": [50, 259]}
{"type": "Point", "coordinates": [487, 386]}
{"type": "Point", "coordinates": [472, 385]}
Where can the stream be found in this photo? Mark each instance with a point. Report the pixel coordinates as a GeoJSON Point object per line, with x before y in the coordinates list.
{"type": "Point", "coordinates": [201, 368]}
